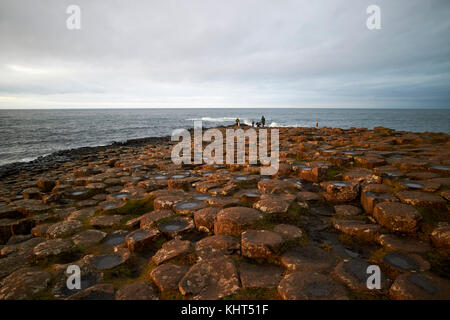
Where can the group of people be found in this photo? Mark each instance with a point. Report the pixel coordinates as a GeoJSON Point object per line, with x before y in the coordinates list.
{"type": "Point", "coordinates": [262, 123]}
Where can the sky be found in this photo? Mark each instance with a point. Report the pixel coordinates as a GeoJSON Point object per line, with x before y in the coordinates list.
{"type": "Point", "coordinates": [228, 54]}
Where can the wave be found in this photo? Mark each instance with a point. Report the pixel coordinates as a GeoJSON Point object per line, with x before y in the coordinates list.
{"type": "Point", "coordinates": [210, 119]}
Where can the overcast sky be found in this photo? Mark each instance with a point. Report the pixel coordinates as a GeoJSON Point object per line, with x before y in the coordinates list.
{"type": "Point", "coordinates": [233, 53]}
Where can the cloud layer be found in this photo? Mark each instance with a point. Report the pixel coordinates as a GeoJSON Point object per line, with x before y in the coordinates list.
{"type": "Point", "coordinates": [203, 53]}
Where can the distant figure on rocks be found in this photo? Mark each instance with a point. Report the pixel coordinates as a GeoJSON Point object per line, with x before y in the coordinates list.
{"type": "Point", "coordinates": [263, 121]}
{"type": "Point", "coordinates": [238, 122]}
{"type": "Point", "coordinates": [253, 123]}
{"type": "Point", "coordinates": [317, 124]}
{"type": "Point", "coordinates": [258, 124]}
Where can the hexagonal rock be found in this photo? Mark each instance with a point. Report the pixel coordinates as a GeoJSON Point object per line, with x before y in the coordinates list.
{"type": "Point", "coordinates": [353, 273]}
{"type": "Point", "coordinates": [375, 193]}
{"type": "Point", "coordinates": [308, 259]}
{"type": "Point", "coordinates": [108, 261]}
{"type": "Point", "coordinates": [260, 243]}
{"type": "Point", "coordinates": [216, 245]}
{"type": "Point", "coordinates": [405, 262]}
{"type": "Point", "coordinates": [420, 286]}
{"type": "Point", "coordinates": [204, 219]}
{"type": "Point", "coordinates": [236, 220]}
{"type": "Point", "coordinates": [340, 191]}
{"type": "Point", "coordinates": [52, 247]}
{"type": "Point", "coordinates": [223, 202]}
{"type": "Point", "coordinates": [106, 221]}
{"type": "Point", "coordinates": [140, 239]}
{"type": "Point", "coordinates": [210, 280]}
{"type": "Point", "coordinates": [308, 196]}
{"type": "Point", "coordinates": [166, 202]}
{"type": "Point", "coordinates": [288, 232]}
{"type": "Point", "coordinates": [276, 186]}
{"type": "Point", "coordinates": [9, 212]}
{"type": "Point", "coordinates": [63, 228]}
{"type": "Point", "coordinates": [313, 174]}
{"type": "Point", "coordinates": [394, 242]}
{"type": "Point", "coordinates": [260, 276]}
{"type": "Point", "coordinates": [422, 199]}
{"type": "Point", "coordinates": [45, 184]}
{"type": "Point", "coordinates": [357, 229]}
{"type": "Point", "coordinates": [138, 290]}
{"type": "Point", "coordinates": [273, 204]}
{"type": "Point", "coordinates": [82, 214]}
{"type": "Point", "coordinates": [362, 176]}
{"type": "Point", "coordinates": [168, 276]}
{"type": "Point", "coordinates": [110, 207]}
{"type": "Point", "coordinates": [30, 207]}
{"type": "Point", "coordinates": [177, 226]}
{"type": "Point", "coordinates": [24, 283]}
{"type": "Point", "coordinates": [347, 210]}
{"type": "Point", "coordinates": [172, 249]}
{"type": "Point", "coordinates": [89, 238]}
{"type": "Point", "coordinates": [441, 237]}
{"type": "Point", "coordinates": [32, 193]}
{"type": "Point", "coordinates": [40, 230]}
{"type": "Point", "coordinates": [149, 219]}
{"type": "Point", "coordinates": [397, 216]}
{"type": "Point", "coordinates": [187, 207]}
{"type": "Point", "coordinates": [101, 291]}
{"type": "Point", "coordinates": [310, 286]}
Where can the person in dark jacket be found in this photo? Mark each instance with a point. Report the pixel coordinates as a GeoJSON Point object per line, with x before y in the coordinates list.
{"type": "Point", "coordinates": [263, 121]}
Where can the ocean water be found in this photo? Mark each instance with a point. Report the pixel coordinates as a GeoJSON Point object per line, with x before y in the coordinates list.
{"type": "Point", "coordinates": [28, 134]}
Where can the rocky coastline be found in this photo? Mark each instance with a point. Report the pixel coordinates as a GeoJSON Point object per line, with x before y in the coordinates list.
{"type": "Point", "coordinates": [140, 227]}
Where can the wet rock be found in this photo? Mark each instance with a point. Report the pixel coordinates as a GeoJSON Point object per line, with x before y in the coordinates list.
{"type": "Point", "coordinates": [397, 216]}
{"type": "Point", "coordinates": [108, 261]}
{"type": "Point", "coordinates": [138, 290]}
{"type": "Point", "coordinates": [440, 237]}
{"type": "Point", "coordinates": [308, 259]}
{"type": "Point", "coordinates": [149, 219]}
{"type": "Point", "coordinates": [172, 249]}
{"type": "Point", "coordinates": [420, 286]}
{"type": "Point", "coordinates": [63, 228]}
{"type": "Point", "coordinates": [422, 199]}
{"type": "Point", "coordinates": [30, 207]}
{"type": "Point", "coordinates": [235, 220]}
{"type": "Point", "coordinates": [103, 291]}
{"type": "Point", "coordinates": [288, 232]}
{"type": "Point", "coordinates": [106, 221]}
{"type": "Point", "coordinates": [347, 210]}
{"type": "Point", "coordinates": [260, 243]}
{"type": "Point", "coordinates": [340, 191]}
{"type": "Point", "coordinates": [204, 219]}
{"type": "Point", "coordinates": [52, 247]}
{"type": "Point", "coordinates": [210, 280]}
{"type": "Point", "coordinates": [215, 246]}
{"type": "Point", "coordinates": [115, 238]}
{"type": "Point", "coordinates": [393, 242]}
{"type": "Point", "coordinates": [260, 276]}
{"type": "Point", "coordinates": [353, 273]}
{"type": "Point", "coordinates": [310, 286]}
{"type": "Point", "coordinates": [405, 262]}
{"type": "Point", "coordinates": [24, 284]}
{"type": "Point", "coordinates": [110, 207]}
{"type": "Point", "coordinates": [276, 186]}
{"type": "Point", "coordinates": [141, 239]}
{"type": "Point", "coordinates": [274, 204]}
{"type": "Point", "coordinates": [360, 230]}
{"type": "Point", "coordinates": [89, 238]}
{"type": "Point", "coordinates": [168, 276]}
{"type": "Point", "coordinates": [187, 207]}
{"type": "Point", "coordinates": [177, 226]}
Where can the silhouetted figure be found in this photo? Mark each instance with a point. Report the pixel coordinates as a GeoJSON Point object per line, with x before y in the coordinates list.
{"type": "Point", "coordinates": [263, 121]}
{"type": "Point", "coordinates": [253, 123]}
{"type": "Point", "coordinates": [317, 124]}
{"type": "Point", "coordinates": [238, 122]}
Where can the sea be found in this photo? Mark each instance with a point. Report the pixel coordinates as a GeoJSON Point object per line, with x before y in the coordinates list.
{"type": "Point", "coordinates": [28, 134]}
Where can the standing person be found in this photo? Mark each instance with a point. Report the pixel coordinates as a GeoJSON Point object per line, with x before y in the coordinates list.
{"type": "Point", "coordinates": [253, 123]}
{"type": "Point", "coordinates": [263, 121]}
{"type": "Point", "coordinates": [238, 122]}
{"type": "Point", "coordinates": [317, 123]}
